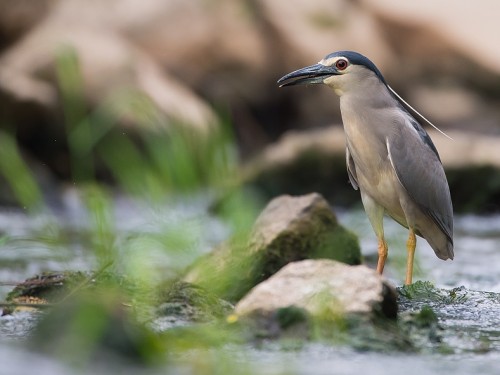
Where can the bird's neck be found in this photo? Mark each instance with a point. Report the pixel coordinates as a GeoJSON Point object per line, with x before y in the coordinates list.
{"type": "Point", "coordinates": [370, 95]}
{"type": "Point", "coordinates": [363, 108]}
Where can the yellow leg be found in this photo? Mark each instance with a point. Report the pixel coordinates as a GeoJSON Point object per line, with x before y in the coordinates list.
{"type": "Point", "coordinates": [382, 255]}
{"type": "Point", "coordinates": [410, 246]}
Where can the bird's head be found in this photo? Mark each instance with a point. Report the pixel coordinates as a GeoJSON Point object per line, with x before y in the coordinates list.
{"type": "Point", "coordinates": [342, 71]}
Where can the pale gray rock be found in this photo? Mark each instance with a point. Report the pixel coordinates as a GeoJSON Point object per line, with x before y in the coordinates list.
{"type": "Point", "coordinates": [322, 287]}
{"type": "Point", "coordinates": [17, 17]}
{"type": "Point", "coordinates": [314, 29]}
{"type": "Point", "coordinates": [111, 65]}
{"type": "Point", "coordinates": [329, 144]}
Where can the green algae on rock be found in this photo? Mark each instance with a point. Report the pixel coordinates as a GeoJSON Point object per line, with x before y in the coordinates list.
{"type": "Point", "coordinates": [289, 229]}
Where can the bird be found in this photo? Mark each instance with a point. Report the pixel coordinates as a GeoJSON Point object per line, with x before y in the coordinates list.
{"type": "Point", "coordinates": [390, 157]}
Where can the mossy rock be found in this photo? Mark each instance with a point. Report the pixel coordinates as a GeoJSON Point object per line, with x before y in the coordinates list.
{"type": "Point", "coordinates": [289, 229]}
{"type": "Point", "coordinates": [48, 285]}
{"type": "Point", "coordinates": [52, 286]}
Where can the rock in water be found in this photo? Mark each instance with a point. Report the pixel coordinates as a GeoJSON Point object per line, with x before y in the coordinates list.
{"type": "Point", "coordinates": [322, 287]}
{"type": "Point", "coordinates": [296, 228]}
{"type": "Point", "coordinates": [289, 229]}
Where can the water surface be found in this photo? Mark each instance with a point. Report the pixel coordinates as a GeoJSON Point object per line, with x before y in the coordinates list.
{"type": "Point", "coordinates": [33, 244]}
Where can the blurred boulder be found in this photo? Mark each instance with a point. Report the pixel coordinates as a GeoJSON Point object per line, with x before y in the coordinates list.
{"type": "Point", "coordinates": [222, 36]}
{"type": "Point", "coordinates": [287, 230]}
{"type": "Point", "coordinates": [461, 27]}
{"type": "Point", "coordinates": [231, 54]}
{"type": "Point", "coordinates": [116, 75]}
{"type": "Point", "coordinates": [329, 143]}
{"type": "Point", "coordinates": [110, 65]}
{"type": "Point", "coordinates": [304, 161]}
{"type": "Point", "coordinates": [447, 104]}
{"type": "Point", "coordinates": [19, 16]}
{"type": "Point", "coordinates": [445, 62]}
{"type": "Point", "coordinates": [314, 29]}
{"type": "Point", "coordinates": [314, 160]}
{"type": "Point", "coordinates": [467, 149]}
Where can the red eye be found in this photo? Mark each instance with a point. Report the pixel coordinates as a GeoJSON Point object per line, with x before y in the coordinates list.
{"type": "Point", "coordinates": [341, 64]}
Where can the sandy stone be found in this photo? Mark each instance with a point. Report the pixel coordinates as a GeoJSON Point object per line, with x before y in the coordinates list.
{"type": "Point", "coordinates": [319, 287]}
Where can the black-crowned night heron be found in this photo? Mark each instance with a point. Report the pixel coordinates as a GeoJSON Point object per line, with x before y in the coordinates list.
{"type": "Point", "coordinates": [390, 157]}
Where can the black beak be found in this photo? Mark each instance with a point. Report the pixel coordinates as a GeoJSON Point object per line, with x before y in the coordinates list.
{"type": "Point", "coordinates": [313, 74]}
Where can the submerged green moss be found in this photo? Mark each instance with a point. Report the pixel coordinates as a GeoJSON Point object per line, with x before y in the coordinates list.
{"type": "Point", "coordinates": [426, 317]}
{"type": "Point", "coordinates": [425, 290]}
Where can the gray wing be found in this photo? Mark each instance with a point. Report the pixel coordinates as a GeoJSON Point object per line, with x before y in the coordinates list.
{"type": "Point", "coordinates": [419, 170]}
{"type": "Point", "coordinates": [351, 169]}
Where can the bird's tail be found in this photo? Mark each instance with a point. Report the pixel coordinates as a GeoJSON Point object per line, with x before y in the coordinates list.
{"type": "Point", "coordinates": [443, 247]}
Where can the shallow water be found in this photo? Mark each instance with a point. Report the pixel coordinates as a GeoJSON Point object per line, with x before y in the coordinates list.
{"type": "Point", "coordinates": [477, 252]}
{"type": "Point", "coordinates": [30, 245]}
{"type": "Point", "coordinates": [61, 241]}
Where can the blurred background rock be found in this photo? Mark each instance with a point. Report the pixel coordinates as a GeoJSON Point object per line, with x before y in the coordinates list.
{"type": "Point", "coordinates": [199, 61]}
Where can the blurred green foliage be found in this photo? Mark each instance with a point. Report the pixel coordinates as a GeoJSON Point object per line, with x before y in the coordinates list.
{"type": "Point", "coordinates": [153, 157]}
{"type": "Point", "coordinates": [154, 160]}
{"type": "Point", "coordinates": [17, 173]}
